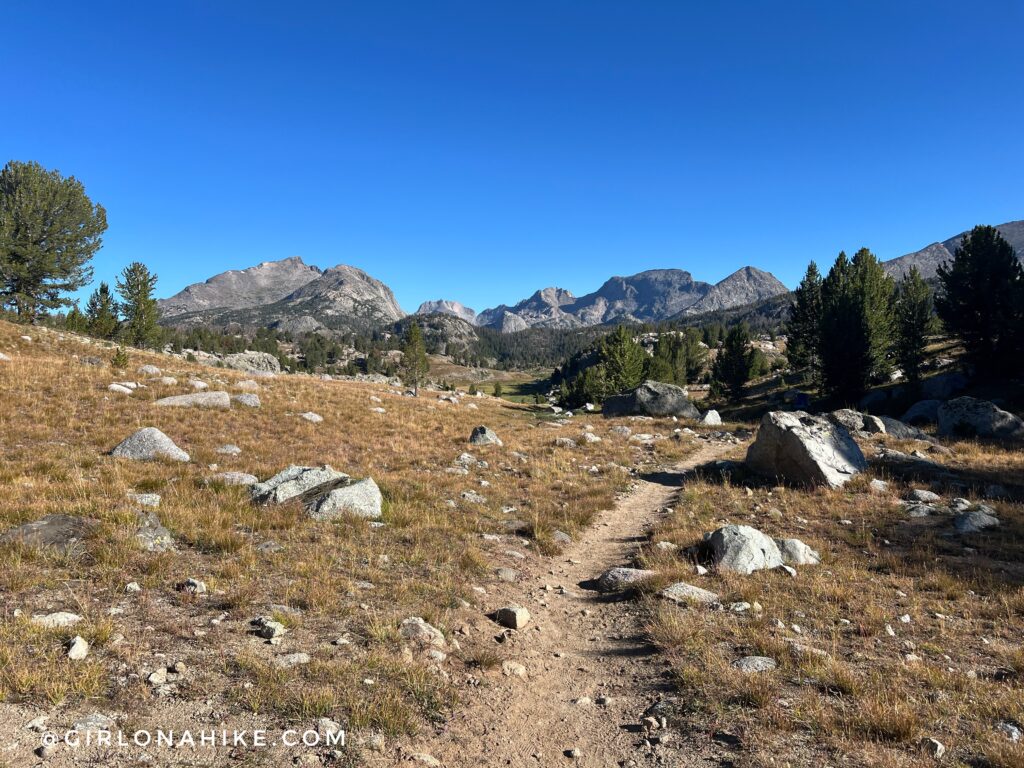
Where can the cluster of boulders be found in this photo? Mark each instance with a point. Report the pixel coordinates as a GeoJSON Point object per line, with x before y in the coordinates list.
{"type": "Point", "coordinates": [658, 399]}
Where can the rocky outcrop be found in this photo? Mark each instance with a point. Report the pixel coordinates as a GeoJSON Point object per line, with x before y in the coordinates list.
{"type": "Point", "coordinates": [970, 417]}
{"type": "Point", "coordinates": [804, 449]}
{"type": "Point", "coordinates": [652, 398]}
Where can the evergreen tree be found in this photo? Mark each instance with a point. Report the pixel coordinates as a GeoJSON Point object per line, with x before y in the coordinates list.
{"type": "Point", "coordinates": [668, 361]}
{"type": "Point", "coordinates": [982, 301]}
{"type": "Point", "coordinates": [856, 326]}
{"type": "Point", "coordinates": [914, 322]}
{"type": "Point", "coordinates": [733, 363]}
{"type": "Point", "coordinates": [75, 321]}
{"type": "Point", "coordinates": [414, 366]}
{"type": "Point", "coordinates": [696, 354]}
{"type": "Point", "coordinates": [803, 330]}
{"type": "Point", "coordinates": [624, 361]}
{"type": "Point", "coordinates": [135, 286]}
{"type": "Point", "coordinates": [101, 312]}
{"type": "Point", "coordinates": [498, 389]}
{"type": "Point", "coordinates": [49, 231]}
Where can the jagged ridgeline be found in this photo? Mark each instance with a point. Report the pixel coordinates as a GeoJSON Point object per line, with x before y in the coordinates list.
{"type": "Point", "coordinates": [294, 299]}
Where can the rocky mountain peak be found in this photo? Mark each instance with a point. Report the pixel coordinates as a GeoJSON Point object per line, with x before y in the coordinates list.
{"type": "Point", "coordinates": [265, 283]}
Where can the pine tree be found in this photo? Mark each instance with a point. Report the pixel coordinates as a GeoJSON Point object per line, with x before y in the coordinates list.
{"type": "Point", "coordinates": [498, 389]}
{"type": "Point", "coordinates": [75, 321]}
{"type": "Point", "coordinates": [135, 286]}
{"type": "Point", "coordinates": [414, 366]}
{"type": "Point", "coordinates": [914, 322]}
{"type": "Point", "coordinates": [696, 353]}
{"type": "Point", "coordinates": [856, 326]}
{"type": "Point", "coordinates": [733, 363]}
{"type": "Point", "coordinates": [668, 361]}
{"type": "Point", "coordinates": [982, 301]}
{"type": "Point", "coordinates": [624, 361]}
{"type": "Point", "coordinates": [49, 231]}
{"type": "Point", "coordinates": [101, 312]}
{"type": "Point", "coordinates": [803, 330]}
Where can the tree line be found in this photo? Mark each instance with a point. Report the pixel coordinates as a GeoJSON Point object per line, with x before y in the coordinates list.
{"type": "Point", "coordinates": [855, 326]}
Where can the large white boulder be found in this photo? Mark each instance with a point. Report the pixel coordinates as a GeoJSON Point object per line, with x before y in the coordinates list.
{"type": "Point", "coordinates": [362, 499]}
{"type": "Point", "coordinates": [149, 444]}
{"type": "Point", "coordinates": [742, 549]}
{"type": "Point", "coordinates": [804, 449]}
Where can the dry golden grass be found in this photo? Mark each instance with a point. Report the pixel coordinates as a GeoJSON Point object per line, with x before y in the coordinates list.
{"type": "Point", "coordinates": [870, 701]}
{"type": "Point", "coordinates": [59, 422]}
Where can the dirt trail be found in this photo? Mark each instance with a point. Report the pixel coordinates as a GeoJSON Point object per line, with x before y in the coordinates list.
{"type": "Point", "coordinates": [578, 645]}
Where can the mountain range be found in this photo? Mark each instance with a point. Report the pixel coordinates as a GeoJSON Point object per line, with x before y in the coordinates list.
{"type": "Point", "coordinates": [297, 297]}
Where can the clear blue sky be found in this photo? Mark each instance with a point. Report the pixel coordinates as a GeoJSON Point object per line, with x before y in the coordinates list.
{"type": "Point", "coordinates": [480, 150]}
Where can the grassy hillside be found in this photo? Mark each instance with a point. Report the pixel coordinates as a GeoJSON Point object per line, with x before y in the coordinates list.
{"type": "Point", "coordinates": [324, 581]}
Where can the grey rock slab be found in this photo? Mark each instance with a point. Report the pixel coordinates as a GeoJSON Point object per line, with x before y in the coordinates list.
{"type": "Point", "coordinates": [684, 594]}
{"type": "Point", "coordinates": [57, 620]}
{"type": "Point", "coordinates": [61, 533]}
{"type": "Point", "coordinates": [196, 400]}
{"type": "Point", "coordinates": [234, 478]}
{"type": "Point", "coordinates": [247, 399]}
{"type": "Point", "coordinates": [298, 481]}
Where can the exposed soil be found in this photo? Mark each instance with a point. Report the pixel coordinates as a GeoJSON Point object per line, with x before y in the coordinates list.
{"type": "Point", "coordinates": [580, 645]}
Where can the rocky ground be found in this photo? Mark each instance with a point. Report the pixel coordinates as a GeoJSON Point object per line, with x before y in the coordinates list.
{"type": "Point", "coordinates": [544, 589]}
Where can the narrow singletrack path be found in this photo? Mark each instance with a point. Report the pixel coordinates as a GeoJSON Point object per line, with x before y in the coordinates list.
{"type": "Point", "coordinates": [579, 648]}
